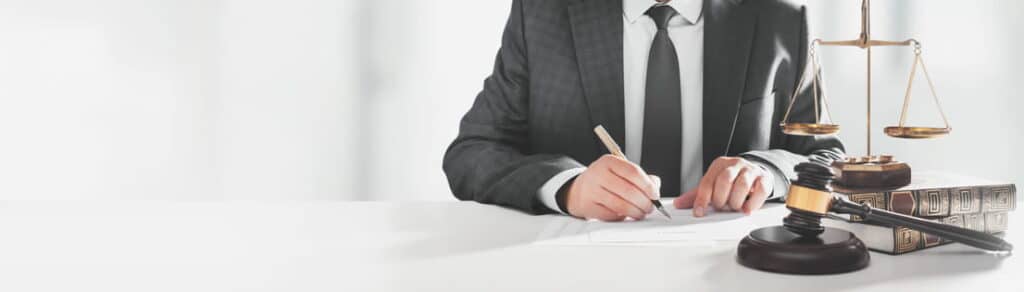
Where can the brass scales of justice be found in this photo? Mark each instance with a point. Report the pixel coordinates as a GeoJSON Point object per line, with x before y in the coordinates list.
{"type": "Point", "coordinates": [869, 171]}
{"type": "Point", "coordinates": [802, 244]}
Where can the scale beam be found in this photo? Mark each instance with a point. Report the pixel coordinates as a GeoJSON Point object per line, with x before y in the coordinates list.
{"type": "Point", "coordinates": [860, 43]}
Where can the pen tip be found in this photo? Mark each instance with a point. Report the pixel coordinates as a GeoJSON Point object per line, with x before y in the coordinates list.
{"type": "Point", "coordinates": [663, 212]}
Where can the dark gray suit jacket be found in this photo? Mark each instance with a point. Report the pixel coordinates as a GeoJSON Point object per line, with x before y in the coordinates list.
{"type": "Point", "coordinates": [559, 73]}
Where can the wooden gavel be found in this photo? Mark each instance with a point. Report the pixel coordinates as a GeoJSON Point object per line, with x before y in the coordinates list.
{"type": "Point", "coordinates": [810, 199]}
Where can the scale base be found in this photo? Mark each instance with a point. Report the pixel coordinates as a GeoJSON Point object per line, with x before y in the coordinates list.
{"type": "Point", "coordinates": [776, 249]}
{"type": "Point", "coordinates": [875, 174]}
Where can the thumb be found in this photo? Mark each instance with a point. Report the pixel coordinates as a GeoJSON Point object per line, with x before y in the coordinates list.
{"type": "Point", "coordinates": [685, 201]}
{"type": "Point", "coordinates": [657, 186]}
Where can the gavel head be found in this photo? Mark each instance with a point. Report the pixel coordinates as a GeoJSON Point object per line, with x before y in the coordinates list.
{"type": "Point", "coordinates": [809, 198]}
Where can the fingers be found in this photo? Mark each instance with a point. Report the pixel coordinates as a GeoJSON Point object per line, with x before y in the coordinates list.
{"type": "Point", "coordinates": [602, 213]}
{"type": "Point", "coordinates": [685, 201]}
{"type": "Point", "coordinates": [757, 196]}
{"type": "Point", "coordinates": [610, 189]}
{"type": "Point", "coordinates": [613, 188]}
{"type": "Point", "coordinates": [729, 184]}
{"type": "Point", "coordinates": [632, 173]}
{"type": "Point", "coordinates": [657, 185]}
{"type": "Point", "coordinates": [723, 186]}
{"type": "Point", "coordinates": [741, 187]}
{"type": "Point", "coordinates": [706, 188]}
{"type": "Point", "coordinates": [627, 191]}
{"type": "Point", "coordinates": [620, 206]}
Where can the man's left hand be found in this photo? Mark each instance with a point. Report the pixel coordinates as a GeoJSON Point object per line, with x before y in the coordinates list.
{"type": "Point", "coordinates": [730, 184]}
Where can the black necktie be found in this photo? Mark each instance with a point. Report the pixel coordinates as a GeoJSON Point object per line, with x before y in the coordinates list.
{"type": "Point", "coordinates": [662, 118]}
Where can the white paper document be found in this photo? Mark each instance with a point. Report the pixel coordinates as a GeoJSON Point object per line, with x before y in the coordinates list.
{"type": "Point", "coordinates": [656, 229]}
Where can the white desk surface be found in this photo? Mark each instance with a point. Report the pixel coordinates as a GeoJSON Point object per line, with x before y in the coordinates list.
{"type": "Point", "coordinates": [411, 246]}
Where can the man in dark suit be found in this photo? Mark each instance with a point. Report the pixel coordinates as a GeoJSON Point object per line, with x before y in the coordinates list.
{"type": "Point", "coordinates": [696, 89]}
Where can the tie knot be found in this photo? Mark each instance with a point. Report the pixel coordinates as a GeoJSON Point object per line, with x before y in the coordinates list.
{"type": "Point", "coordinates": [661, 14]}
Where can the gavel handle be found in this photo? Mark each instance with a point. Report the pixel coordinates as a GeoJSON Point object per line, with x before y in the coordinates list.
{"type": "Point", "coordinates": [962, 235]}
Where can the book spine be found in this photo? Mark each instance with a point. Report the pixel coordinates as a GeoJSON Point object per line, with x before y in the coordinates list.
{"type": "Point", "coordinates": [942, 202]}
{"type": "Point", "coordinates": [908, 240]}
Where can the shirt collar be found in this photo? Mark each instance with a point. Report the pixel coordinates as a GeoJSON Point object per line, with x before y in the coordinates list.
{"type": "Point", "coordinates": [688, 9]}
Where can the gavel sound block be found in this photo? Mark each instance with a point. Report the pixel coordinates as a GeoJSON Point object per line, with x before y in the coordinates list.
{"type": "Point", "coordinates": [802, 245]}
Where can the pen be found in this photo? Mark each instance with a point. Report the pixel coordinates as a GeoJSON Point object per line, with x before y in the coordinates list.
{"type": "Point", "coordinates": [615, 150]}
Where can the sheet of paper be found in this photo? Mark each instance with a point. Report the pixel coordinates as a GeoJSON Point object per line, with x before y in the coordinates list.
{"type": "Point", "coordinates": [682, 228]}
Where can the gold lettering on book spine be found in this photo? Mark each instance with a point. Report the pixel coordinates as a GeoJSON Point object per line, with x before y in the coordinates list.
{"type": "Point", "coordinates": [934, 203]}
{"type": "Point", "coordinates": [996, 222]}
{"type": "Point", "coordinates": [907, 240]}
{"type": "Point", "coordinates": [964, 201]}
{"type": "Point", "coordinates": [974, 222]}
{"type": "Point", "coordinates": [876, 200]}
{"type": "Point", "coordinates": [998, 199]}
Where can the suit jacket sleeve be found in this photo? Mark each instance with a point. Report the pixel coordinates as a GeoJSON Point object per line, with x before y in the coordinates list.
{"type": "Point", "coordinates": [490, 160]}
{"type": "Point", "coordinates": [784, 156]}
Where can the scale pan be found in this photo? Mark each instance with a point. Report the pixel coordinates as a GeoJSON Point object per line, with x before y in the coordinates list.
{"type": "Point", "coordinates": [916, 132]}
{"type": "Point", "coordinates": [809, 129]}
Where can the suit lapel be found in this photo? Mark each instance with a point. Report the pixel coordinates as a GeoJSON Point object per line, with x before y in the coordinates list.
{"type": "Point", "coordinates": [728, 36]}
{"type": "Point", "coordinates": [597, 35]}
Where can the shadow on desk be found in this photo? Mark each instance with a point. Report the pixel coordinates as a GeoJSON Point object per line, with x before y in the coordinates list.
{"type": "Point", "coordinates": [946, 261]}
{"type": "Point", "coordinates": [464, 228]}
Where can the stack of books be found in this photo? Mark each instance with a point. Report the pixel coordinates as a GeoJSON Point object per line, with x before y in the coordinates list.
{"type": "Point", "coordinates": [968, 202]}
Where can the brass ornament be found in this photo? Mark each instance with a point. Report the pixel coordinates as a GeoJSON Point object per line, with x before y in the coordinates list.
{"type": "Point", "coordinates": [808, 199]}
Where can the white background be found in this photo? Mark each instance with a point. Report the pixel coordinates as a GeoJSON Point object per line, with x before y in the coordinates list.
{"type": "Point", "coordinates": [357, 100]}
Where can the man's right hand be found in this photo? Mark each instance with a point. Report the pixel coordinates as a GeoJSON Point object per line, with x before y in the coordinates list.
{"type": "Point", "coordinates": [612, 189]}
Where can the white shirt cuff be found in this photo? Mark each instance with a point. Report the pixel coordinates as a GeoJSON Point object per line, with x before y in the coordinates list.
{"type": "Point", "coordinates": [549, 190]}
{"type": "Point", "coordinates": [770, 176]}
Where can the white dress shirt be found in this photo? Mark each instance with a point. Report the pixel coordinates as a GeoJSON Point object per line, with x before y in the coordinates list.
{"type": "Point", "coordinates": [686, 30]}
